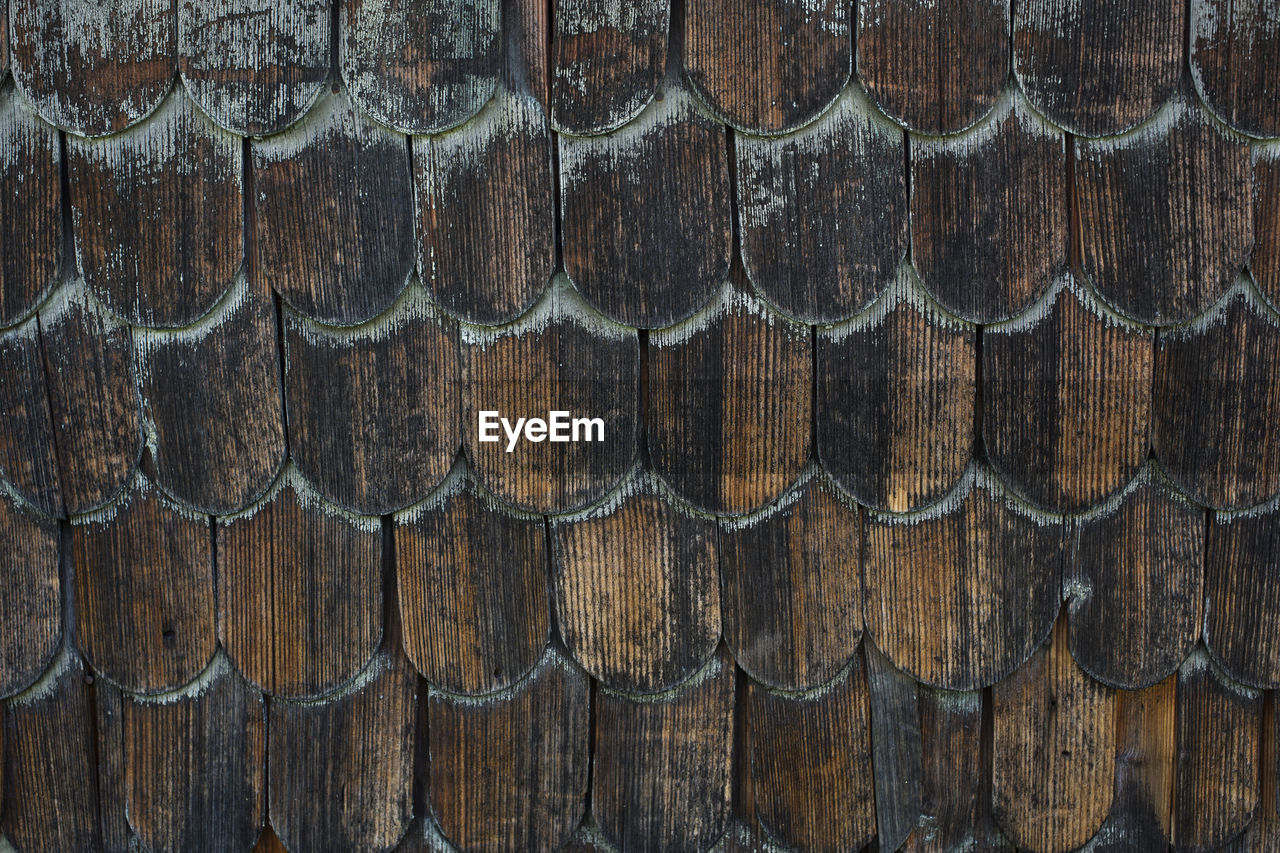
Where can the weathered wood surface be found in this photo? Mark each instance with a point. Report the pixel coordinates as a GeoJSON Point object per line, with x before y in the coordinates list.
{"type": "Point", "coordinates": [647, 213]}
{"type": "Point", "coordinates": [30, 594]}
{"type": "Point", "coordinates": [93, 67]}
{"type": "Point", "coordinates": [823, 211]}
{"type": "Point", "coordinates": [934, 67]}
{"type": "Point", "coordinates": [1265, 263]}
{"type": "Point", "coordinates": [955, 790]}
{"type": "Point", "coordinates": [1054, 750]}
{"type": "Point", "coordinates": [144, 590]}
{"type": "Point", "coordinates": [28, 457]}
{"type": "Point", "coordinates": [731, 401]}
{"type": "Point", "coordinates": [1234, 48]}
{"type": "Point", "coordinates": [770, 68]}
{"type": "Point", "coordinates": [897, 760]}
{"type": "Point", "coordinates": [299, 591]}
{"type": "Point", "coordinates": [106, 712]}
{"type": "Point", "coordinates": [157, 214]}
{"type": "Point", "coordinates": [212, 397]}
{"type": "Point", "coordinates": [93, 397]}
{"type": "Point", "coordinates": [30, 207]}
{"type": "Point", "coordinates": [375, 412]}
{"type": "Point", "coordinates": [334, 214]}
{"type": "Point", "coordinates": [811, 763]}
{"type": "Point", "coordinates": [637, 588]}
{"type": "Point", "coordinates": [195, 764]}
{"type": "Point", "coordinates": [561, 356]}
{"type": "Point", "coordinates": [1216, 775]}
{"type": "Point", "coordinates": [254, 66]}
{"type": "Point", "coordinates": [420, 66]}
{"type": "Point", "coordinates": [1133, 582]}
{"type": "Point", "coordinates": [792, 589]}
{"type": "Point", "coordinates": [896, 390]}
{"type": "Point", "coordinates": [1217, 393]}
{"type": "Point", "coordinates": [340, 775]}
{"type": "Point", "coordinates": [962, 593]}
{"type": "Point", "coordinates": [1242, 586]}
{"type": "Point", "coordinates": [1166, 214]}
{"type": "Point", "coordinates": [1066, 408]}
{"type": "Point", "coordinates": [511, 771]}
{"type": "Point", "coordinates": [1098, 67]}
{"type": "Point", "coordinates": [608, 61]}
{"type": "Point", "coordinates": [989, 213]}
{"type": "Point", "coordinates": [1141, 816]}
{"type": "Point", "coordinates": [661, 769]}
{"type": "Point", "coordinates": [485, 211]}
{"type": "Point", "coordinates": [51, 795]}
{"type": "Point", "coordinates": [472, 583]}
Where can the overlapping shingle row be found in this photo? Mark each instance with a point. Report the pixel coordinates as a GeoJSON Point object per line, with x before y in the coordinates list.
{"type": "Point", "coordinates": [937, 351]}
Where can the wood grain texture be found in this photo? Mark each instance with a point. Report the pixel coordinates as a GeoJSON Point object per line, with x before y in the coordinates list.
{"type": "Point", "coordinates": [1235, 45]}
{"type": "Point", "coordinates": [30, 207]}
{"type": "Point", "coordinates": [4, 39]}
{"type": "Point", "coordinates": [647, 213]}
{"type": "Point", "coordinates": [90, 67]}
{"type": "Point", "coordinates": [106, 712]}
{"type": "Point", "coordinates": [1166, 214]}
{"type": "Point", "coordinates": [334, 214]}
{"type": "Point", "coordinates": [93, 397]}
{"type": "Point", "coordinates": [823, 211]}
{"type": "Point", "coordinates": [1265, 263]}
{"type": "Point", "coordinates": [299, 591]}
{"type": "Point", "coordinates": [195, 764]}
{"type": "Point", "coordinates": [896, 755]}
{"type": "Point", "coordinates": [526, 54]}
{"type": "Point", "coordinates": [660, 779]}
{"type": "Point", "coordinates": [988, 213]}
{"type": "Point", "coordinates": [811, 763]}
{"type": "Point", "coordinates": [792, 589]}
{"type": "Point", "coordinates": [770, 68]}
{"type": "Point", "coordinates": [144, 591]}
{"type": "Point", "coordinates": [51, 798]}
{"type": "Point", "coordinates": [340, 777]}
{"type": "Point", "coordinates": [510, 772]}
{"type": "Point", "coordinates": [420, 66]}
{"type": "Point", "coordinates": [254, 66]}
{"type": "Point", "coordinates": [485, 211]}
{"type": "Point", "coordinates": [1097, 67]}
{"type": "Point", "coordinates": [955, 790]}
{"type": "Point", "coordinates": [1054, 747]}
{"type": "Point", "coordinates": [1242, 618]}
{"type": "Point", "coordinates": [1141, 815]}
{"type": "Point", "coordinates": [1216, 394]}
{"type": "Point", "coordinates": [1216, 774]}
{"type": "Point", "coordinates": [375, 413]}
{"type": "Point", "coordinates": [1133, 581]}
{"type": "Point", "coordinates": [472, 581]}
{"type": "Point", "coordinates": [962, 593]}
{"type": "Point", "coordinates": [28, 456]}
{"type": "Point", "coordinates": [31, 597]}
{"type": "Point", "coordinates": [637, 588]}
{"type": "Point", "coordinates": [212, 398]}
{"type": "Point", "coordinates": [1066, 408]}
{"type": "Point", "coordinates": [561, 356]}
{"type": "Point", "coordinates": [934, 67]}
{"type": "Point", "coordinates": [731, 401]}
{"type": "Point", "coordinates": [156, 212]}
{"type": "Point", "coordinates": [896, 390]}
{"type": "Point", "coordinates": [608, 61]}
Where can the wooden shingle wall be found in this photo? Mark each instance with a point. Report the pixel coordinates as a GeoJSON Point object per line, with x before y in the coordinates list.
{"type": "Point", "coordinates": [937, 348]}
